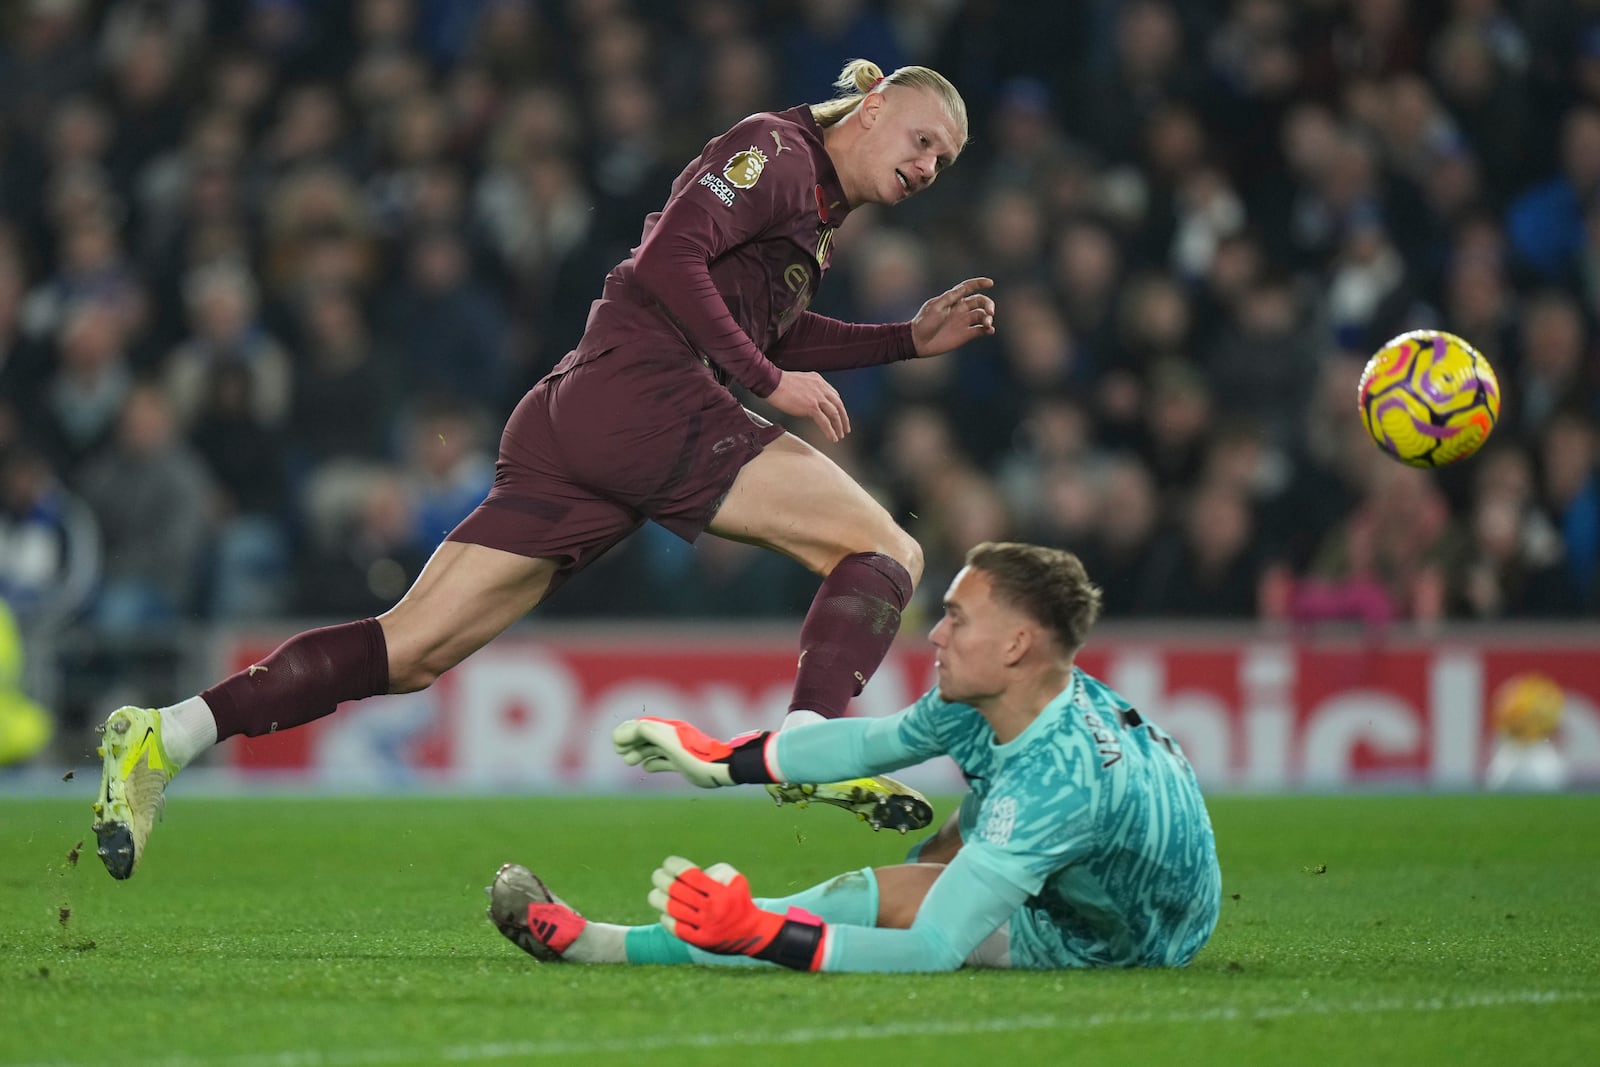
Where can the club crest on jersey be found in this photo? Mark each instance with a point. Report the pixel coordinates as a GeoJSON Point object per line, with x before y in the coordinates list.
{"type": "Point", "coordinates": [744, 169]}
{"type": "Point", "coordinates": [824, 246]}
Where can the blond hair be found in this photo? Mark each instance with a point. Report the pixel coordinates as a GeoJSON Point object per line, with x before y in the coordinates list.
{"type": "Point", "coordinates": [861, 76]}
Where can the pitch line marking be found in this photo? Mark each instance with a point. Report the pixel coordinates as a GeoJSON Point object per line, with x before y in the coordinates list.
{"type": "Point", "coordinates": [522, 1050]}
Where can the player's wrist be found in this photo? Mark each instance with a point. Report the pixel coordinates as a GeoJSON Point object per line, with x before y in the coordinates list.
{"type": "Point", "coordinates": [747, 763]}
{"type": "Point", "coordinates": [797, 944]}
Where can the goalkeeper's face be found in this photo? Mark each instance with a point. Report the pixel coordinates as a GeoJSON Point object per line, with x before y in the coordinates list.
{"type": "Point", "coordinates": [977, 641]}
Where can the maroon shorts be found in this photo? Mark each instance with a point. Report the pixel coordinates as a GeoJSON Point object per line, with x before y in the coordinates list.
{"type": "Point", "coordinates": [592, 452]}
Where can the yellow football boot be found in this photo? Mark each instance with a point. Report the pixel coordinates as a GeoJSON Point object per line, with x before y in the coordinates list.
{"type": "Point", "coordinates": [133, 782]}
{"type": "Point", "coordinates": [880, 801]}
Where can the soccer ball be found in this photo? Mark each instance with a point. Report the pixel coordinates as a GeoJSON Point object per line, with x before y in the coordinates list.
{"type": "Point", "coordinates": [1428, 398]}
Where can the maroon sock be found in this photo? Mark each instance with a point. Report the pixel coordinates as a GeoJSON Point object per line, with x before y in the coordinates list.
{"type": "Point", "coordinates": [305, 678]}
{"type": "Point", "coordinates": [848, 631]}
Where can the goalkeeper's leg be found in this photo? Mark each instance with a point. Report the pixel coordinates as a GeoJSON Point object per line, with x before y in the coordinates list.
{"type": "Point", "coordinates": [850, 899]}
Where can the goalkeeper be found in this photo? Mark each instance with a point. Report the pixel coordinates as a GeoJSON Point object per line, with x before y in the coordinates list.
{"type": "Point", "coordinates": [1084, 841]}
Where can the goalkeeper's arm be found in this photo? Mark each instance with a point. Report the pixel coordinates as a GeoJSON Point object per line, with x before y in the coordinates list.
{"type": "Point", "coordinates": [827, 751]}
{"type": "Point", "coordinates": [712, 909]}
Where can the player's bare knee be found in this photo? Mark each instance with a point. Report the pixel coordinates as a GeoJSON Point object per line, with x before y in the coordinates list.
{"type": "Point", "coordinates": [409, 678]}
{"type": "Point", "coordinates": [891, 541]}
{"type": "Point", "coordinates": [416, 672]}
{"type": "Point", "coordinates": [416, 677]}
{"type": "Point", "coordinates": [905, 550]}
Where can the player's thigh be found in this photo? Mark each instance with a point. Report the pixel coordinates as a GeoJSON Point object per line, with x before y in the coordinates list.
{"type": "Point", "coordinates": [944, 844]}
{"type": "Point", "coordinates": [901, 889]}
{"type": "Point", "coordinates": [465, 596]}
{"type": "Point", "coordinates": [794, 499]}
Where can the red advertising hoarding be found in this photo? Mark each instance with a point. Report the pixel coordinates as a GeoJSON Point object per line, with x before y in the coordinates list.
{"type": "Point", "coordinates": [1256, 713]}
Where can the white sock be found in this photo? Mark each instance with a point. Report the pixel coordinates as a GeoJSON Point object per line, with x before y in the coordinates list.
{"type": "Point", "coordinates": [800, 717]}
{"type": "Point", "coordinates": [187, 729]}
{"type": "Point", "coordinates": [599, 943]}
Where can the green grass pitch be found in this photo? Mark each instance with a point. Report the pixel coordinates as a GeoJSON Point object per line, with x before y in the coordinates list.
{"type": "Point", "coordinates": [317, 932]}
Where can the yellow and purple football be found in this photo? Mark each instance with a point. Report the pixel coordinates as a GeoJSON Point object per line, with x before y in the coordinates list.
{"type": "Point", "coordinates": [1428, 398]}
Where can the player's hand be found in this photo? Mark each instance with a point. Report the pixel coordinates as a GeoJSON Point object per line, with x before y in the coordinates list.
{"type": "Point", "coordinates": [807, 394]}
{"type": "Point", "coordinates": [953, 318]}
{"type": "Point", "coordinates": [673, 745]}
{"type": "Point", "coordinates": [712, 909]}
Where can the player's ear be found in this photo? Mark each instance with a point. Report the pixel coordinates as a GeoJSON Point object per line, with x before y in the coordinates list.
{"type": "Point", "coordinates": [1022, 640]}
{"type": "Point", "coordinates": [871, 108]}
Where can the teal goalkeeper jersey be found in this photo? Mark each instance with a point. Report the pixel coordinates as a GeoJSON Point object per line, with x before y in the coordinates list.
{"type": "Point", "coordinates": [1085, 836]}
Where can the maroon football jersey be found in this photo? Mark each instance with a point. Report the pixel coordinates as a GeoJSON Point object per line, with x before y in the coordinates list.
{"type": "Point", "coordinates": [729, 266]}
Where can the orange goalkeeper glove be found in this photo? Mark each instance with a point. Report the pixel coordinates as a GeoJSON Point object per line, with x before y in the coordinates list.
{"type": "Point", "coordinates": [674, 745]}
{"type": "Point", "coordinates": [712, 909]}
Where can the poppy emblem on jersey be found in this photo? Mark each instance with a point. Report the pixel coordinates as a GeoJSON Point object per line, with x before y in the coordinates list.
{"type": "Point", "coordinates": [745, 167]}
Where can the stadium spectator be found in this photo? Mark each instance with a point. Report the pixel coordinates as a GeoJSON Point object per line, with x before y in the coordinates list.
{"type": "Point", "coordinates": [152, 500]}
{"type": "Point", "coordinates": [1210, 566]}
{"type": "Point", "coordinates": [1084, 841]}
{"type": "Point", "coordinates": [248, 573]}
{"type": "Point", "coordinates": [449, 468]}
{"type": "Point", "coordinates": [86, 392]}
{"type": "Point", "coordinates": [1570, 489]}
{"type": "Point", "coordinates": [24, 362]}
{"type": "Point", "coordinates": [147, 100]}
{"type": "Point", "coordinates": [90, 264]}
{"type": "Point", "coordinates": [49, 544]}
{"type": "Point", "coordinates": [1122, 543]}
{"type": "Point", "coordinates": [316, 231]}
{"type": "Point", "coordinates": [449, 332]}
{"type": "Point", "coordinates": [1480, 68]}
{"type": "Point", "coordinates": [1545, 221]}
{"type": "Point", "coordinates": [966, 509]}
{"type": "Point", "coordinates": [345, 395]}
{"type": "Point", "coordinates": [1088, 272]}
{"type": "Point", "coordinates": [361, 550]}
{"type": "Point", "coordinates": [1054, 434]}
{"type": "Point", "coordinates": [1386, 560]}
{"type": "Point", "coordinates": [1149, 68]}
{"type": "Point", "coordinates": [50, 56]}
{"type": "Point", "coordinates": [1263, 366]}
{"type": "Point", "coordinates": [1477, 296]}
{"type": "Point", "coordinates": [1554, 366]}
{"type": "Point", "coordinates": [226, 331]}
{"type": "Point", "coordinates": [1179, 416]}
{"type": "Point", "coordinates": [1508, 564]}
{"type": "Point", "coordinates": [628, 155]}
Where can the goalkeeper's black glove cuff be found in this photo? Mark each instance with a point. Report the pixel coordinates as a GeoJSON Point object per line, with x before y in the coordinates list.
{"type": "Point", "coordinates": [747, 764]}
{"type": "Point", "coordinates": [798, 946]}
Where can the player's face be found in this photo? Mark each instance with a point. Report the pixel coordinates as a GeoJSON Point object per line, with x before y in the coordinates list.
{"type": "Point", "coordinates": [972, 639]}
{"type": "Point", "coordinates": [910, 141]}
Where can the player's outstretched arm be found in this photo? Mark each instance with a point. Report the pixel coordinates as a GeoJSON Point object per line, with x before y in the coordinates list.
{"type": "Point", "coordinates": [673, 745]}
{"type": "Point", "coordinates": [821, 752]}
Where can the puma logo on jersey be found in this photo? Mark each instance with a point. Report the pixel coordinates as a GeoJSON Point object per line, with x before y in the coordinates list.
{"type": "Point", "coordinates": [782, 148]}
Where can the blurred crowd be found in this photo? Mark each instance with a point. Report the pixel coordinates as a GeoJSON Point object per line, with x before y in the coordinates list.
{"type": "Point", "coordinates": [273, 272]}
